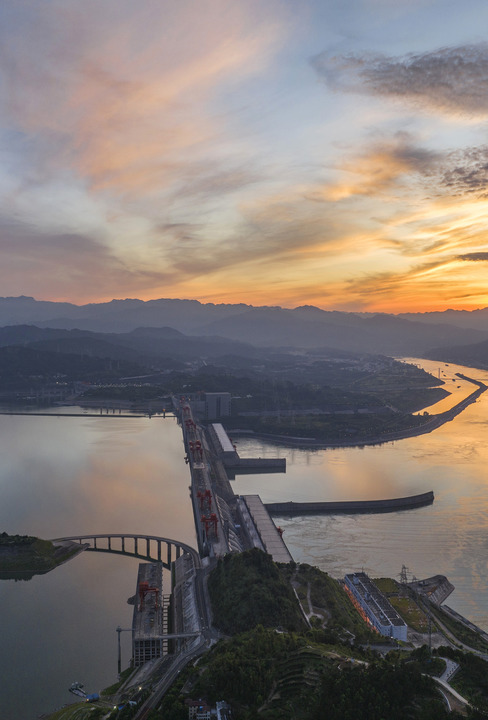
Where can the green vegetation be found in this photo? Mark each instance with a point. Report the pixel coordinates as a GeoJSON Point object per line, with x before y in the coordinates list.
{"type": "Point", "coordinates": [379, 691]}
{"type": "Point", "coordinates": [340, 397]}
{"type": "Point", "coordinates": [327, 604]}
{"type": "Point", "coordinates": [27, 368]}
{"type": "Point", "coordinates": [81, 711]}
{"type": "Point", "coordinates": [423, 661]}
{"type": "Point", "coordinates": [325, 386]}
{"type": "Point", "coordinates": [22, 556]}
{"type": "Point", "coordinates": [247, 589]}
{"type": "Point", "coordinates": [469, 637]}
{"type": "Point", "coordinates": [387, 586]}
{"type": "Point", "coordinates": [270, 675]}
{"type": "Point", "coordinates": [405, 604]}
{"type": "Point", "coordinates": [471, 680]}
{"type": "Point", "coordinates": [327, 672]}
{"type": "Point", "coordinates": [10, 541]}
{"type": "Point", "coordinates": [330, 428]}
{"type": "Point", "coordinates": [112, 689]}
{"type": "Point", "coordinates": [350, 401]}
{"type": "Point", "coordinates": [408, 609]}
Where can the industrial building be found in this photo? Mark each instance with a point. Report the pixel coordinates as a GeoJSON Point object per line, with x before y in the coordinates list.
{"type": "Point", "coordinates": [223, 444]}
{"type": "Point", "coordinates": [374, 606]}
{"type": "Point", "coordinates": [147, 622]}
{"type": "Point", "coordinates": [211, 406]}
{"type": "Point", "coordinates": [217, 405]}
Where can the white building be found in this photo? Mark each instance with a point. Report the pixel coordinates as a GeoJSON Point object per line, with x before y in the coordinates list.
{"type": "Point", "coordinates": [378, 610]}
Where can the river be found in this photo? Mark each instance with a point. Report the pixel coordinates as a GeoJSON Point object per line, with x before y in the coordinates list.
{"type": "Point", "coordinates": [449, 537]}
{"type": "Point", "coordinates": [62, 476]}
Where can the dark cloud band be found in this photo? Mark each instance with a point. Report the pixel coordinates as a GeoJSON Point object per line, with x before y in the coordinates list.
{"type": "Point", "coordinates": [452, 80]}
{"type": "Point", "coordinates": [474, 257]}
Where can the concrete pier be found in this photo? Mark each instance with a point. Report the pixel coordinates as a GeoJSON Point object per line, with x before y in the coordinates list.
{"type": "Point", "coordinates": [349, 507]}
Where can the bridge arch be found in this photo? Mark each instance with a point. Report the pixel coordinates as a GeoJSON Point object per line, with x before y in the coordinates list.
{"type": "Point", "coordinates": [146, 547]}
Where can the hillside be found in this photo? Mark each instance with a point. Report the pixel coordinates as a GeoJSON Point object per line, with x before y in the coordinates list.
{"type": "Point", "coordinates": [267, 670]}
{"type": "Point", "coordinates": [248, 589]}
{"type": "Point", "coordinates": [302, 327]}
{"type": "Point", "coordinates": [470, 355]}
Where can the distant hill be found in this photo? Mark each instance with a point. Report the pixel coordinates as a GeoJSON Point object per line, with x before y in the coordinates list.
{"type": "Point", "coordinates": [22, 367]}
{"type": "Point", "coordinates": [471, 355]}
{"type": "Point", "coordinates": [152, 327]}
{"type": "Point", "coordinates": [114, 316]}
{"type": "Point", "coordinates": [309, 328]}
{"type": "Point", "coordinates": [472, 319]}
{"type": "Point", "coordinates": [145, 346]}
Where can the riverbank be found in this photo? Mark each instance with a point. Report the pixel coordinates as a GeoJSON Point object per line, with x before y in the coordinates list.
{"type": "Point", "coordinates": [23, 558]}
{"type": "Point", "coordinates": [432, 423]}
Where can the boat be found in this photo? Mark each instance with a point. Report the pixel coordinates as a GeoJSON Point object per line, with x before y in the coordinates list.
{"type": "Point", "coordinates": [77, 689]}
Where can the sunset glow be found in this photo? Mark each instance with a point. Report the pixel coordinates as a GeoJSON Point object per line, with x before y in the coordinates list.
{"type": "Point", "coordinates": [279, 153]}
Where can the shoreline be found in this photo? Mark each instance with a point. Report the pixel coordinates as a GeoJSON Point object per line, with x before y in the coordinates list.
{"type": "Point", "coordinates": [429, 426]}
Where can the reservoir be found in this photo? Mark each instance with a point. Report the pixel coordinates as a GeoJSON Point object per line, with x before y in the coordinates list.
{"type": "Point", "coordinates": [63, 476]}
{"type": "Point", "coordinates": [449, 537]}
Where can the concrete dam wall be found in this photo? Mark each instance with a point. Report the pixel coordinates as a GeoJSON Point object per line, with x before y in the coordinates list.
{"type": "Point", "coordinates": [352, 506]}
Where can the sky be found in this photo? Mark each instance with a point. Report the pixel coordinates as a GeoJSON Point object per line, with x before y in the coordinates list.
{"type": "Point", "coordinates": [270, 152]}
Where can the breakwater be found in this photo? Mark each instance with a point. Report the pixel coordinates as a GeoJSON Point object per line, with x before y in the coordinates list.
{"type": "Point", "coordinates": [350, 506]}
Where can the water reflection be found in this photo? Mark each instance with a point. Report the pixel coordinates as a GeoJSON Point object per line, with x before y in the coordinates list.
{"type": "Point", "coordinates": [67, 476]}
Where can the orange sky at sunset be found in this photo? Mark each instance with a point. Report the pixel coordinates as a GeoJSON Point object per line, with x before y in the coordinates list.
{"type": "Point", "coordinates": [327, 153]}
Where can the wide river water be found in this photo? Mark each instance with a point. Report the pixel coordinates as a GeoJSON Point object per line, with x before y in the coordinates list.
{"type": "Point", "coordinates": [65, 475]}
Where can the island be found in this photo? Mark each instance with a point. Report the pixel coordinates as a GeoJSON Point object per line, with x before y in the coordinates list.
{"type": "Point", "coordinates": [22, 556]}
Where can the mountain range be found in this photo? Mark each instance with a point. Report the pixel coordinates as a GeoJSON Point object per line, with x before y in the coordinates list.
{"type": "Point", "coordinates": [210, 330]}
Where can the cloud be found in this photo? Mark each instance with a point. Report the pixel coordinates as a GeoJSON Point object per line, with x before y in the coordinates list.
{"type": "Point", "coordinates": [452, 80]}
{"type": "Point", "coordinates": [474, 257]}
{"type": "Point", "coordinates": [124, 94]}
{"type": "Point", "coordinates": [465, 172]}
{"type": "Point", "coordinates": [202, 180]}
{"type": "Point", "coordinates": [70, 263]}
{"type": "Point", "coordinates": [380, 167]}
{"type": "Point", "coordinates": [400, 164]}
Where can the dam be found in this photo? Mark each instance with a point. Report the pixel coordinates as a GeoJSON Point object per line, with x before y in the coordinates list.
{"type": "Point", "coordinates": [350, 506]}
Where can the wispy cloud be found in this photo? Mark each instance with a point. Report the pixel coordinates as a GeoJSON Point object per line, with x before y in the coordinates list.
{"type": "Point", "coordinates": [124, 96]}
{"type": "Point", "coordinates": [380, 166]}
{"type": "Point", "coordinates": [451, 80]}
{"type": "Point", "coordinates": [185, 148]}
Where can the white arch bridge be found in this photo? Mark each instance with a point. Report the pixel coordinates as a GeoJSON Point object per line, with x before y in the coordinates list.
{"type": "Point", "coordinates": [146, 547]}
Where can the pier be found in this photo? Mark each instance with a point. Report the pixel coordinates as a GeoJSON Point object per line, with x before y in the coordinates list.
{"type": "Point", "coordinates": [350, 506]}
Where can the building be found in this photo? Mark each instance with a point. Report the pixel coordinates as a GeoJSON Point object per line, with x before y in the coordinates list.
{"type": "Point", "coordinates": [198, 710]}
{"type": "Point", "coordinates": [147, 621]}
{"type": "Point", "coordinates": [374, 607]}
{"type": "Point", "coordinates": [217, 405]}
{"type": "Point", "coordinates": [223, 445]}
